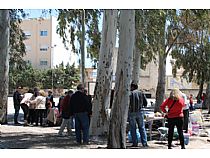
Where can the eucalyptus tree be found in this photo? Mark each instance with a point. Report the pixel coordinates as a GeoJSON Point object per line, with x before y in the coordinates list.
{"type": "Point", "coordinates": [144, 51]}
{"type": "Point", "coordinates": [155, 42]}
{"type": "Point", "coordinates": [12, 50]}
{"type": "Point", "coordinates": [119, 111]}
{"type": "Point", "coordinates": [192, 50]}
{"type": "Point", "coordinates": [137, 46]}
{"type": "Point", "coordinates": [17, 46]}
{"type": "Point", "coordinates": [101, 100]}
{"type": "Point", "coordinates": [4, 60]}
{"type": "Point", "coordinates": [75, 27]}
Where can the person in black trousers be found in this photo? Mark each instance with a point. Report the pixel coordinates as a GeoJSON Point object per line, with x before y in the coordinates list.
{"type": "Point", "coordinates": [173, 107]}
{"type": "Point", "coordinates": [185, 113]}
{"type": "Point", "coordinates": [16, 100]}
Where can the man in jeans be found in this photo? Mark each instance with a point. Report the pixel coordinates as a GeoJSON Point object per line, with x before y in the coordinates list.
{"type": "Point", "coordinates": [17, 99]}
{"type": "Point", "coordinates": [136, 115]}
{"type": "Point", "coordinates": [81, 109]}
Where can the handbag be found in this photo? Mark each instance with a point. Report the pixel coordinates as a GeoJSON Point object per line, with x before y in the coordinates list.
{"type": "Point", "coordinates": [166, 116]}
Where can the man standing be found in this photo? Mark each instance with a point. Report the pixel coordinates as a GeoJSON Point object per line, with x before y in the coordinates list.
{"type": "Point", "coordinates": [16, 100]}
{"type": "Point", "coordinates": [81, 109]}
{"type": "Point", "coordinates": [65, 113]}
{"type": "Point", "coordinates": [136, 115]}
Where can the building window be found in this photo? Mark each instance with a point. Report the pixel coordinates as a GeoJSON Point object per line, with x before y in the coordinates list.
{"type": "Point", "coordinates": [43, 62]}
{"type": "Point", "coordinates": [43, 33]}
{"type": "Point", "coordinates": [43, 48]}
{"type": "Point", "coordinates": [94, 74]}
{"type": "Point", "coordinates": [28, 62]}
{"type": "Point", "coordinates": [27, 34]}
{"type": "Point", "coordinates": [28, 48]}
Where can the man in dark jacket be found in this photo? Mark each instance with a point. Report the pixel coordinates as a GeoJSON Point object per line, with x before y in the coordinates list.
{"type": "Point", "coordinates": [136, 115]}
{"type": "Point", "coordinates": [81, 109]}
{"type": "Point", "coordinates": [16, 100]}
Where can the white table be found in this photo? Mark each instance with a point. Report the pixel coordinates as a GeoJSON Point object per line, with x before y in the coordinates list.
{"type": "Point", "coordinates": [150, 122]}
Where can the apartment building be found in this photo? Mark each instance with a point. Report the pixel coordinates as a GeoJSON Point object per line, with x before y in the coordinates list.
{"type": "Point", "coordinates": [44, 47]}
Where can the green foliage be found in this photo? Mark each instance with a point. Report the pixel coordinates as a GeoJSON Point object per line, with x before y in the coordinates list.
{"type": "Point", "coordinates": [152, 35]}
{"type": "Point", "coordinates": [17, 47]}
{"type": "Point", "coordinates": [70, 29]}
{"type": "Point", "coordinates": [61, 77]}
{"type": "Point", "coordinates": [192, 49]}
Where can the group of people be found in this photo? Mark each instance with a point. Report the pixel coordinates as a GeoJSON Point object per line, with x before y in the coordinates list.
{"type": "Point", "coordinates": [74, 105]}
{"type": "Point", "coordinates": [77, 105]}
{"type": "Point", "coordinates": [176, 109]}
{"type": "Point", "coordinates": [35, 105]}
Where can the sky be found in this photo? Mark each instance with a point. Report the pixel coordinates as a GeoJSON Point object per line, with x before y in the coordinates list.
{"type": "Point", "coordinates": [106, 4]}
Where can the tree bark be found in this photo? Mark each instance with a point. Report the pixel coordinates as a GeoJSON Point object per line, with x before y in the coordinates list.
{"type": "Point", "coordinates": [136, 65]}
{"type": "Point", "coordinates": [200, 88]}
{"type": "Point", "coordinates": [160, 92]}
{"type": "Point", "coordinates": [119, 112]}
{"type": "Point", "coordinates": [101, 100]}
{"type": "Point", "coordinates": [207, 99]}
{"type": "Point", "coordinates": [163, 52]}
{"type": "Point", "coordinates": [4, 63]}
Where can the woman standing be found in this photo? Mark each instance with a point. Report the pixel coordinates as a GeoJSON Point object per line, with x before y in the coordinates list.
{"type": "Point", "coordinates": [40, 107]}
{"type": "Point", "coordinates": [173, 107]}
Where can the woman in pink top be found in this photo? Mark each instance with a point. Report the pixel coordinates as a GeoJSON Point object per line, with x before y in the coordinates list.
{"type": "Point", "coordinates": [173, 107]}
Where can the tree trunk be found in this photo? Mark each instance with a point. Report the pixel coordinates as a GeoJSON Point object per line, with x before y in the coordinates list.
{"type": "Point", "coordinates": [136, 65]}
{"type": "Point", "coordinates": [119, 113]}
{"type": "Point", "coordinates": [160, 92]}
{"type": "Point", "coordinates": [200, 88]}
{"type": "Point", "coordinates": [101, 100]}
{"type": "Point", "coordinates": [83, 49]}
{"type": "Point", "coordinates": [207, 102]}
{"type": "Point", "coordinates": [4, 63]}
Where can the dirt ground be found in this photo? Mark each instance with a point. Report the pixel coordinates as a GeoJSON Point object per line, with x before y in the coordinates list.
{"type": "Point", "coordinates": [21, 137]}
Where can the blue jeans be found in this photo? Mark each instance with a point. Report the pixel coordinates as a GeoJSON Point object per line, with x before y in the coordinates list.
{"type": "Point", "coordinates": [137, 118]}
{"type": "Point", "coordinates": [72, 122]}
{"type": "Point", "coordinates": [82, 124]}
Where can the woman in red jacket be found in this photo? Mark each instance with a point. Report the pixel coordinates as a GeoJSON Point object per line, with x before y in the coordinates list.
{"type": "Point", "coordinates": [173, 107]}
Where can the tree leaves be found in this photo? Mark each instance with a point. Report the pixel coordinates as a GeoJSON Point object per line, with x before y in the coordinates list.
{"type": "Point", "coordinates": [70, 23]}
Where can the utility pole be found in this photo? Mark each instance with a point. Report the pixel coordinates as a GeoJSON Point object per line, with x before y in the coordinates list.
{"type": "Point", "coordinates": [83, 49]}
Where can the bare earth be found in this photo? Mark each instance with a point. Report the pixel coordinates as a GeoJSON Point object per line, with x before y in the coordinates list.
{"type": "Point", "coordinates": [20, 137]}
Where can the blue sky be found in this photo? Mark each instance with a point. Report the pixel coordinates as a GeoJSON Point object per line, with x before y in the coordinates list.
{"type": "Point", "coordinates": [35, 13]}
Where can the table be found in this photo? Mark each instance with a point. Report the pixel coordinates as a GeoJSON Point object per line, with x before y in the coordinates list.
{"type": "Point", "coordinates": [150, 122]}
